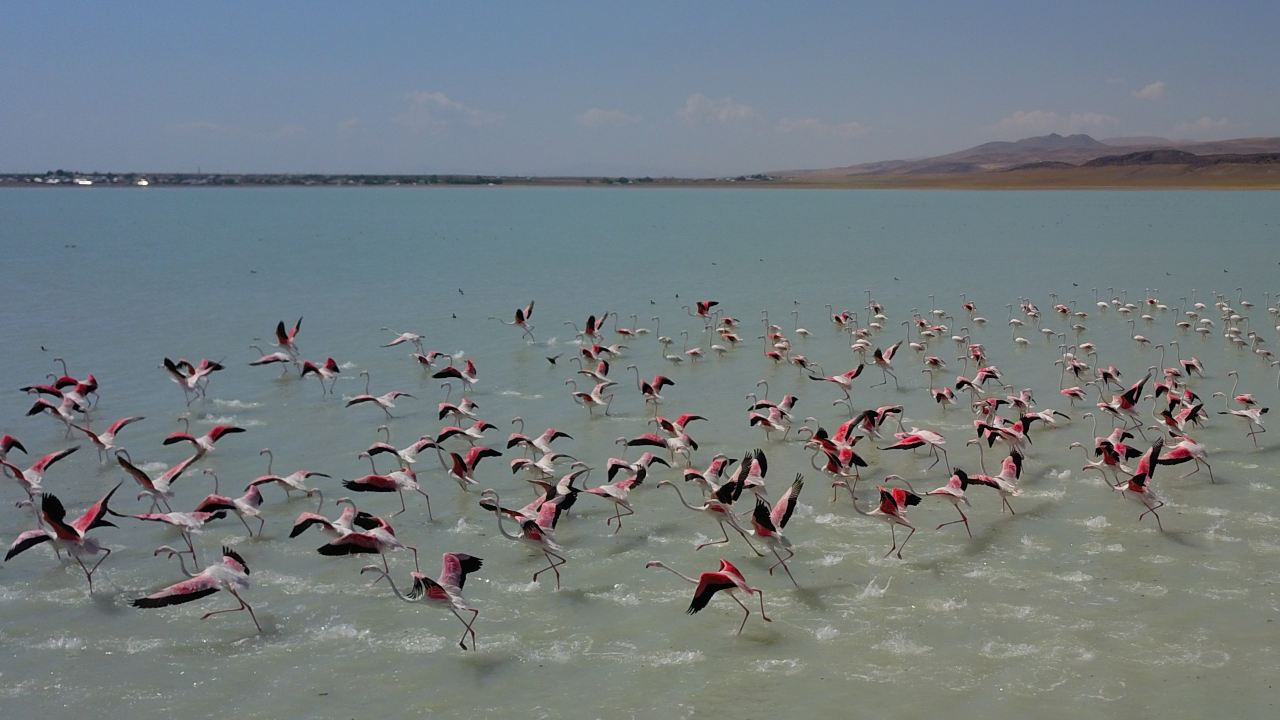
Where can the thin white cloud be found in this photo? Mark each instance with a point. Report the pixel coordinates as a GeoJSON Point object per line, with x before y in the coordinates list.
{"type": "Point", "coordinates": [820, 128]}
{"type": "Point", "coordinates": [433, 112]}
{"type": "Point", "coordinates": [602, 118]}
{"type": "Point", "coordinates": [1204, 126]}
{"type": "Point", "coordinates": [1152, 91]}
{"type": "Point", "coordinates": [349, 124]}
{"type": "Point", "coordinates": [1047, 121]}
{"type": "Point", "coordinates": [699, 109]}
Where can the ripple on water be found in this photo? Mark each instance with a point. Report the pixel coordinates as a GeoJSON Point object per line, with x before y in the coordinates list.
{"type": "Point", "coordinates": [779, 666]}
{"type": "Point", "coordinates": [826, 632]}
{"type": "Point", "coordinates": [1096, 523]}
{"type": "Point", "coordinates": [60, 642]}
{"type": "Point", "coordinates": [236, 404]}
{"type": "Point", "coordinates": [898, 644]}
{"type": "Point", "coordinates": [997, 650]}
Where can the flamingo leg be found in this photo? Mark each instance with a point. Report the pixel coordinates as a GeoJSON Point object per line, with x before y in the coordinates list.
{"type": "Point", "coordinates": [746, 613]}
{"type": "Point", "coordinates": [428, 499]}
{"type": "Point", "coordinates": [762, 613]}
{"type": "Point", "coordinates": [1154, 514]}
{"type": "Point", "coordinates": [783, 562]}
{"type": "Point", "coordinates": [467, 629]}
{"type": "Point", "coordinates": [962, 519]}
{"type": "Point", "coordinates": [552, 566]}
{"type": "Point", "coordinates": [893, 535]}
{"type": "Point", "coordinates": [716, 542]}
{"type": "Point", "coordinates": [246, 525]}
{"type": "Point", "coordinates": [904, 542]}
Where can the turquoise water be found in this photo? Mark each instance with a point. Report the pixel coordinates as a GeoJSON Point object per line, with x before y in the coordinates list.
{"type": "Point", "coordinates": [1069, 607]}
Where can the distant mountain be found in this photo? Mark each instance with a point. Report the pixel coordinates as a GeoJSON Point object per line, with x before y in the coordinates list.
{"type": "Point", "coordinates": [1043, 151]}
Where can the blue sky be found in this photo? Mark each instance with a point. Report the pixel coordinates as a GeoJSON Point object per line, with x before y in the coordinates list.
{"type": "Point", "coordinates": [657, 88]}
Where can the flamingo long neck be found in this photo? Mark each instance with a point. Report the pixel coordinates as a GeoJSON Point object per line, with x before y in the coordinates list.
{"type": "Point", "coordinates": [677, 572]}
{"type": "Point", "coordinates": [497, 512]}
{"type": "Point", "coordinates": [681, 496]}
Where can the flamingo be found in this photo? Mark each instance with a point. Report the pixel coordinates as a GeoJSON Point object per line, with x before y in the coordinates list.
{"type": "Point", "coordinates": [892, 509]}
{"type": "Point", "coordinates": [405, 337]}
{"type": "Point", "coordinates": [203, 444]}
{"type": "Point", "coordinates": [718, 507]}
{"type": "Point", "coordinates": [281, 358]}
{"type": "Point", "coordinates": [185, 522]}
{"type": "Point", "coordinates": [618, 493]}
{"type": "Point", "coordinates": [288, 339]}
{"type": "Point", "coordinates": [463, 469]}
{"type": "Point", "coordinates": [106, 441]}
{"type": "Point", "coordinates": [386, 401]}
{"type": "Point", "coordinates": [348, 521]}
{"type": "Point", "coordinates": [446, 591]}
{"type": "Point", "coordinates": [408, 455]}
{"type": "Point", "coordinates": [883, 359]}
{"type": "Point", "coordinates": [464, 407]}
{"type": "Point", "coordinates": [193, 379]}
{"type": "Point", "coordinates": [467, 375]}
{"type": "Point", "coordinates": [919, 438]}
{"type": "Point", "coordinates": [472, 434]}
{"type": "Point", "coordinates": [768, 524]}
{"type": "Point", "coordinates": [542, 443]}
{"type": "Point", "coordinates": [1006, 483]}
{"type": "Point", "coordinates": [293, 481]}
{"type": "Point", "coordinates": [32, 479]}
{"type": "Point", "coordinates": [73, 537]}
{"type": "Point", "coordinates": [594, 399]}
{"type": "Point", "coordinates": [7, 443]}
{"type": "Point", "coordinates": [64, 411]}
{"type": "Point", "coordinates": [537, 534]}
{"type": "Point", "coordinates": [1187, 450]}
{"type": "Point", "coordinates": [230, 573]}
{"type": "Point", "coordinates": [953, 492]}
{"type": "Point", "coordinates": [521, 320]}
{"type": "Point", "coordinates": [380, 539]}
{"type": "Point", "coordinates": [1252, 416]}
{"type": "Point", "coordinates": [327, 371]}
{"type": "Point", "coordinates": [1138, 487]}
{"type": "Point", "coordinates": [843, 380]}
{"type": "Point", "coordinates": [727, 578]}
{"type": "Point", "coordinates": [398, 481]}
{"type": "Point", "coordinates": [244, 506]}
{"type": "Point", "coordinates": [160, 489]}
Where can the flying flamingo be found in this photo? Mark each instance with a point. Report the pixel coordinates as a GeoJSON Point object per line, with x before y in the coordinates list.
{"type": "Point", "coordinates": [467, 375]}
{"type": "Point", "coordinates": [328, 371]}
{"type": "Point", "coordinates": [32, 479]}
{"type": "Point", "coordinates": [107, 440]}
{"type": "Point", "coordinates": [405, 337]}
{"type": "Point", "coordinates": [71, 537]}
{"type": "Point", "coordinates": [348, 521]}
{"type": "Point", "coordinates": [1252, 416]}
{"type": "Point", "coordinates": [408, 455]}
{"type": "Point", "coordinates": [463, 469]}
{"type": "Point", "coordinates": [843, 380]}
{"type": "Point", "coordinates": [293, 481]}
{"type": "Point", "coordinates": [446, 591]}
{"type": "Point", "coordinates": [185, 522]}
{"type": "Point", "coordinates": [288, 339]}
{"type": "Point", "coordinates": [542, 443]}
{"type": "Point", "coordinates": [953, 492]}
{"type": "Point", "coordinates": [7, 443]}
{"type": "Point", "coordinates": [727, 578]}
{"type": "Point", "coordinates": [618, 493]}
{"type": "Point", "coordinates": [1187, 450]}
{"type": "Point", "coordinates": [919, 438]}
{"type": "Point", "coordinates": [1138, 487]}
{"type": "Point", "coordinates": [883, 359]}
{"type": "Point", "coordinates": [718, 507]}
{"type": "Point", "coordinates": [892, 509]}
{"type": "Point", "coordinates": [535, 534]}
{"type": "Point", "coordinates": [380, 539]}
{"type": "Point", "coordinates": [768, 524]}
{"type": "Point", "coordinates": [244, 506]}
{"type": "Point", "coordinates": [386, 401]}
{"type": "Point", "coordinates": [203, 444]}
{"type": "Point", "coordinates": [521, 320]}
{"type": "Point", "coordinates": [281, 358]}
{"type": "Point", "coordinates": [160, 489]}
{"type": "Point", "coordinates": [231, 573]}
{"type": "Point", "coordinates": [398, 481]}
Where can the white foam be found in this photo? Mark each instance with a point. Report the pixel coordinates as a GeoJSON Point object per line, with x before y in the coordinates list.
{"type": "Point", "coordinates": [1096, 523]}
{"type": "Point", "coordinates": [236, 404]}
{"type": "Point", "coordinates": [898, 644]}
{"type": "Point", "coordinates": [1001, 650]}
{"type": "Point", "coordinates": [874, 591]}
{"type": "Point", "coordinates": [783, 666]}
{"type": "Point", "coordinates": [826, 632]}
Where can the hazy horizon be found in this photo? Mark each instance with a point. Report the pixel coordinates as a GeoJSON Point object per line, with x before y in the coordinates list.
{"type": "Point", "coordinates": [662, 89]}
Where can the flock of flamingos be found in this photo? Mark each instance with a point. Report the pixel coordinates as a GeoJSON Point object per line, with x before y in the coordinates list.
{"type": "Point", "coordinates": [1148, 418]}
